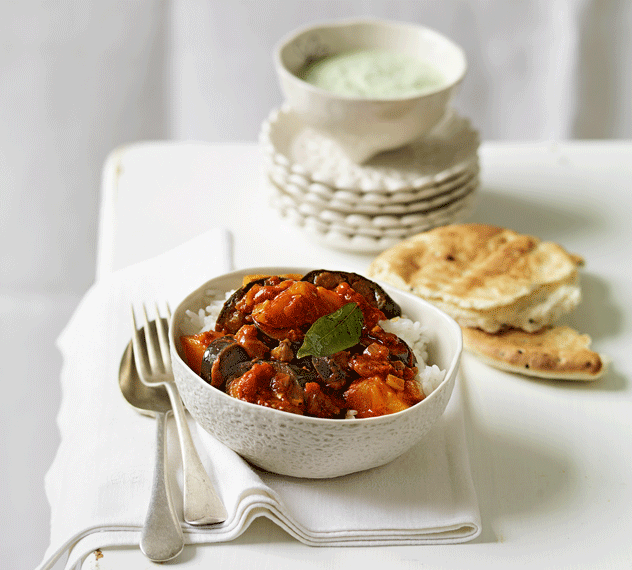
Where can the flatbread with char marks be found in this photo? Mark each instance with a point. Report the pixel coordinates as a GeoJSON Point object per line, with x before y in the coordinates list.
{"type": "Point", "coordinates": [554, 352]}
{"type": "Point", "coordinates": [485, 276]}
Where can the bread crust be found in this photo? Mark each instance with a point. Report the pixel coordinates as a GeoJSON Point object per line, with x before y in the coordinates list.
{"type": "Point", "coordinates": [553, 352]}
{"type": "Point", "coordinates": [485, 276]}
{"type": "Point", "coordinates": [475, 266]}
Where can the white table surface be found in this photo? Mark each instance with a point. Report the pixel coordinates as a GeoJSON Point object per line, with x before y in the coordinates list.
{"type": "Point", "coordinates": [551, 461]}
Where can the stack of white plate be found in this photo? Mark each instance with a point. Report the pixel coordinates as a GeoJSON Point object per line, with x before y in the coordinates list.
{"type": "Point", "coordinates": [370, 207]}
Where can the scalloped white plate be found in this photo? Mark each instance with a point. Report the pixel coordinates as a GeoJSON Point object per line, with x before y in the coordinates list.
{"type": "Point", "coordinates": [295, 149]}
{"type": "Point", "coordinates": [369, 239]}
{"type": "Point", "coordinates": [385, 226]}
{"type": "Point", "coordinates": [304, 188]}
{"type": "Point", "coordinates": [366, 212]}
{"type": "Point", "coordinates": [361, 243]}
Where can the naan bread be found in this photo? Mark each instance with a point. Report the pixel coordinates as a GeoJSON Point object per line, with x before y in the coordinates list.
{"type": "Point", "coordinates": [554, 352]}
{"type": "Point", "coordinates": [485, 276]}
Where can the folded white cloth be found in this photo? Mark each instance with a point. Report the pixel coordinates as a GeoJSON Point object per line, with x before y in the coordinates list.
{"type": "Point", "coordinates": [99, 483]}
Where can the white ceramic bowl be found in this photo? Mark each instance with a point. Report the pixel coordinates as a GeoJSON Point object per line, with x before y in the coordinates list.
{"type": "Point", "coordinates": [362, 126]}
{"type": "Point", "coordinates": [302, 446]}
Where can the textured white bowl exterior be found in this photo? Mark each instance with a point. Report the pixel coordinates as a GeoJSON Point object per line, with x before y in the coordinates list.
{"type": "Point", "coordinates": [364, 127]}
{"type": "Point", "coordinates": [299, 446]}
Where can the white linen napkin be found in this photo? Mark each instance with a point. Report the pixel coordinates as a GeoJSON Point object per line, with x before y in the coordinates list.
{"type": "Point", "coordinates": [99, 483]}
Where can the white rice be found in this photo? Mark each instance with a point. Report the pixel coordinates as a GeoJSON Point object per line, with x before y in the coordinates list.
{"type": "Point", "coordinates": [411, 332]}
{"type": "Point", "coordinates": [204, 319]}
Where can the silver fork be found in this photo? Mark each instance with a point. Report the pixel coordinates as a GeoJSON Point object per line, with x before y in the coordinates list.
{"type": "Point", "coordinates": [202, 505]}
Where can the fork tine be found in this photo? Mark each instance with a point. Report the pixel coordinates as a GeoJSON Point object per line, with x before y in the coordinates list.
{"type": "Point", "coordinates": [162, 326]}
{"type": "Point", "coordinates": [139, 348]}
{"type": "Point", "coordinates": [153, 351]}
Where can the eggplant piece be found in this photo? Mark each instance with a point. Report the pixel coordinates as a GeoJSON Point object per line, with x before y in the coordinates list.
{"type": "Point", "coordinates": [371, 291]}
{"type": "Point", "coordinates": [299, 374]}
{"type": "Point", "coordinates": [301, 371]}
{"type": "Point", "coordinates": [406, 355]}
{"type": "Point", "coordinates": [321, 404]}
{"type": "Point", "coordinates": [332, 371]}
{"type": "Point", "coordinates": [230, 319]}
{"type": "Point", "coordinates": [398, 348]}
{"type": "Point", "coordinates": [221, 361]}
{"type": "Point", "coordinates": [278, 388]}
{"type": "Point", "coordinates": [284, 367]}
{"type": "Point", "coordinates": [305, 372]}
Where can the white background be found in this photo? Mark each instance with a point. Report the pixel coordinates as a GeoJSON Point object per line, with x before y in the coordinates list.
{"type": "Point", "coordinates": [79, 78]}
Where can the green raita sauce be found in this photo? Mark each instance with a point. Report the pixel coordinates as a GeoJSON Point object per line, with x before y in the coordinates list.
{"type": "Point", "coordinates": [374, 74]}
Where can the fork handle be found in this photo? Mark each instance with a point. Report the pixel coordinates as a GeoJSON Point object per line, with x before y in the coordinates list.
{"type": "Point", "coordinates": [202, 505]}
{"type": "Point", "coordinates": [161, 538]}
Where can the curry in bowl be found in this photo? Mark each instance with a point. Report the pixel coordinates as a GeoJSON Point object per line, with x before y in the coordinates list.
{"type": "Point", "coordinates": [327, 344]}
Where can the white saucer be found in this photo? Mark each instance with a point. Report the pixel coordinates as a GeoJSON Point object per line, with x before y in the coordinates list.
{"type": "Point", "coordinates": [296, 149]}
{"type": "Point", "coordinates": [315, 203]}
{"type": "Point", "coordinates": [311, 190]}
{"type": "Point", "coordinates": [366, 240]}
{"type": "Point", "coordinates": [367, 214]}
{"type": "Point", "coordinates": [380, 229]}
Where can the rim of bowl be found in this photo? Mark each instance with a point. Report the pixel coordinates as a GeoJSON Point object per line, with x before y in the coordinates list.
{"type": "Point", "coordinates": [346, 22]}
{"type": "Point", "coordinates": [275, 270]}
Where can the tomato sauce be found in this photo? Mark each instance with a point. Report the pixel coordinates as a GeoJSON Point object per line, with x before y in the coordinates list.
{"type": "Point", "coordinates": [374, 376]}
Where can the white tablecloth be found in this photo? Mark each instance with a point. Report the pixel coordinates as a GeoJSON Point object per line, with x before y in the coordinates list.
{"type": "Point", "coordinates": [551, 460]}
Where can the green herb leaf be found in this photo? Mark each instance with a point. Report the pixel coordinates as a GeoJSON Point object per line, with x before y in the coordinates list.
{"type": "Point", "coordinates": [333, 333]}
